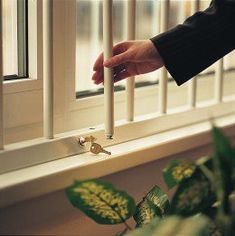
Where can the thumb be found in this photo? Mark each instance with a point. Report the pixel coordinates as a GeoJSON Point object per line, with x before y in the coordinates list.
{"type": "Point", "coordinates": [116, 60]}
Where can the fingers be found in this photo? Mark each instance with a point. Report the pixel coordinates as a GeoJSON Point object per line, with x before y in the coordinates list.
{"type": "Point", "coordinates": [121, 55]}
{"type": "Point", "coordinates": [117, 60]}
{"type": "Point", "coordinates": [117, 49]}
{"type": "Point", "coordinates": [98, 77]}
{"type": "Point", "coordinates": [124, 74]}
{"type": "Point", "coordinates": [99, 62]}
{"type": "Point", "coordinates": [119, 73]}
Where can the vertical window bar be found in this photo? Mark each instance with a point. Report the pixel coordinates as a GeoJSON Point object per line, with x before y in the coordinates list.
{"type": "Point", "coordinates": [182, 11]}
{"type": "Point", "coordinates": [1, 83]}
{"type": "Point", "coordinates": [156, 18]}
{"type": "Point", "coordinates": [130, 26]}
{"type": "Point", "coordinates": [108, 73]}
{"type": "Point", "coordinates": [48, 68]}
{"type": "Point", "coordinates": [22, 37]}
{"type": "Point", "coordinates": [163, 73]}
{"type": "Point", "coordinates": [95, 16]}
{"type": "Point", "coordinates": [192, 84]}
{"type": "Point", "coordinates": [219, 81]}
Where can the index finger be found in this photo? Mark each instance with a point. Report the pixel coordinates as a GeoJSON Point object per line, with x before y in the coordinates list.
{"type": "Point", "coordinates": [117, 49]}
{"type": "Point", "coordinates": [99, 62]}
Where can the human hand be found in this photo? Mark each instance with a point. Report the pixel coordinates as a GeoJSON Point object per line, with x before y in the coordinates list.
{"type": "Point", "coordinates": [130, 58]}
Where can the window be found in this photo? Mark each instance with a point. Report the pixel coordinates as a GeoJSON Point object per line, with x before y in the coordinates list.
{"type": "Point", "coordinates": [77, 41]}
{"type": "Point", "coordinates": [75, 49]}
{"type": "Point", "coordinates": [89, 45]}
{"type": "Point", "coordinates": [15, 39]}
{"type": "Point", "coordinates": [78, 104]}
{"type": "Point", "coordinates": [89, 37]}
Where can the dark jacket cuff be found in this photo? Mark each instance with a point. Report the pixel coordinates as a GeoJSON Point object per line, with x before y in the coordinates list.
{"type": "Point", "coordinates": [204, 38]}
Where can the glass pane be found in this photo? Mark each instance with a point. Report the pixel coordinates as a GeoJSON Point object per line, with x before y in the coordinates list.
{"type": "Point", "coordinates": [89, 35]}
{"type": "Point", "coordinates": [10, 60]}
{"type": "Point", "coordinates": [89, 38]}
{"type": "Point", "coordinates": [15, 54]}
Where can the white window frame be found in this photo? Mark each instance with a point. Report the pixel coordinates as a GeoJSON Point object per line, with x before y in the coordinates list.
{"type": "Point", "coordinates": [72, 114]}
{"type": "Point", "coordinates": [19, 93]}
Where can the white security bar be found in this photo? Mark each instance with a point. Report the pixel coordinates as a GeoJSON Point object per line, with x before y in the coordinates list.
{"type": "Point", "coordinates": [156, 18]}
{"type": "Point", "coordinates": [182, 11]}
{"type": "Point", "coordinates": [1, 83]}
{"type": "Point", "coordinates": [192, 84]}
{"type": "Point", "coordinates": [48, 68]}
{"type": "Point", "coordinates": [95, 28]}
{"type": "Point", "coordinates": [130, 26]}
{"type": "Point", "coordinates": [192, 90]}
{"type": "Point", "coordinates": [94, 38]}
{"type": "Point", "coordinates": [108, 73]}
{"type": "Point", "coordinates": [219, 81]}
{"type": "Point", "coordinates": [163, 75]}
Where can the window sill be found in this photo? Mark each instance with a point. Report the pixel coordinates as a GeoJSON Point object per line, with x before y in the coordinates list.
{"type": "Point", "coordinates": [40, 179]}
{"type": "Point", "coordinates": [22, 85]}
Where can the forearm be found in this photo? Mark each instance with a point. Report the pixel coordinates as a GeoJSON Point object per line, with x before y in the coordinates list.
{"type": "Point", "coordinates": [201, 40]}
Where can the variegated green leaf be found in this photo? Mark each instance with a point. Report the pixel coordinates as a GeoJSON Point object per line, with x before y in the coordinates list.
{"type": "Point", "coordinates": [154, 204]}
{"type": "Point", "coordinates": [145, 212]}
{"type": "Point", "coordinates": [101, 201]}
{"type": "Point", "coordinates": [175, 226]}
{"type": "Point", "coordinates": [176, 171]}
{"type": "Point", "coordinates": [159, 199]}
{"type": "Point", "coordinates": [193, 195]}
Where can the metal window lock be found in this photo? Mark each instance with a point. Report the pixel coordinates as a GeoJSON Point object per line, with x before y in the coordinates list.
{"type": "Point", "coordinates": [95, 148]}
{"type": "Point", "coordinates": [88, 139]}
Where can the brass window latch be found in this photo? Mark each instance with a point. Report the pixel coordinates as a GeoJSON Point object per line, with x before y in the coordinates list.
{"type": "Point", "coordinates": [88, 139]}
{"type": "Point", "coordinates": [95, 148]}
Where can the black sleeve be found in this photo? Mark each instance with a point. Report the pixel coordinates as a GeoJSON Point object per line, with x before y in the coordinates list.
{"type": "Point", "coordinates": [200, 41]}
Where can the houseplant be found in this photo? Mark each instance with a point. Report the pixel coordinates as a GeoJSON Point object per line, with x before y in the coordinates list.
{"type": "Point", "coordinates": [202, 197]}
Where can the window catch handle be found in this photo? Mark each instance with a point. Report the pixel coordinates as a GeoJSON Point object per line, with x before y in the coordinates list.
{"type": "Point", "coordinates": [88, 139]}
{"type": "Point", "coordinates": [95, 148]}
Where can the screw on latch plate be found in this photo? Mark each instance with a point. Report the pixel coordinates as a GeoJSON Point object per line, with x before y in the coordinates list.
{"type": "Point", "coordinates": [88, 139]}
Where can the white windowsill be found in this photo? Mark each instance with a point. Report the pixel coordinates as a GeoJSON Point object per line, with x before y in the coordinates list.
{"type": "Point", "coordinates": [40, 179]}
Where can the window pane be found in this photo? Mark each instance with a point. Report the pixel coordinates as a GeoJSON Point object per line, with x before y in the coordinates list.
{"type": "Point", "coordinates": [87, 40]}
{"type": "Point", "coordinates": [89, 36]}
{"type": "Point", "coordinates": [15, 49]}
{"type": "Point", "coordinates": [10, 62]}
